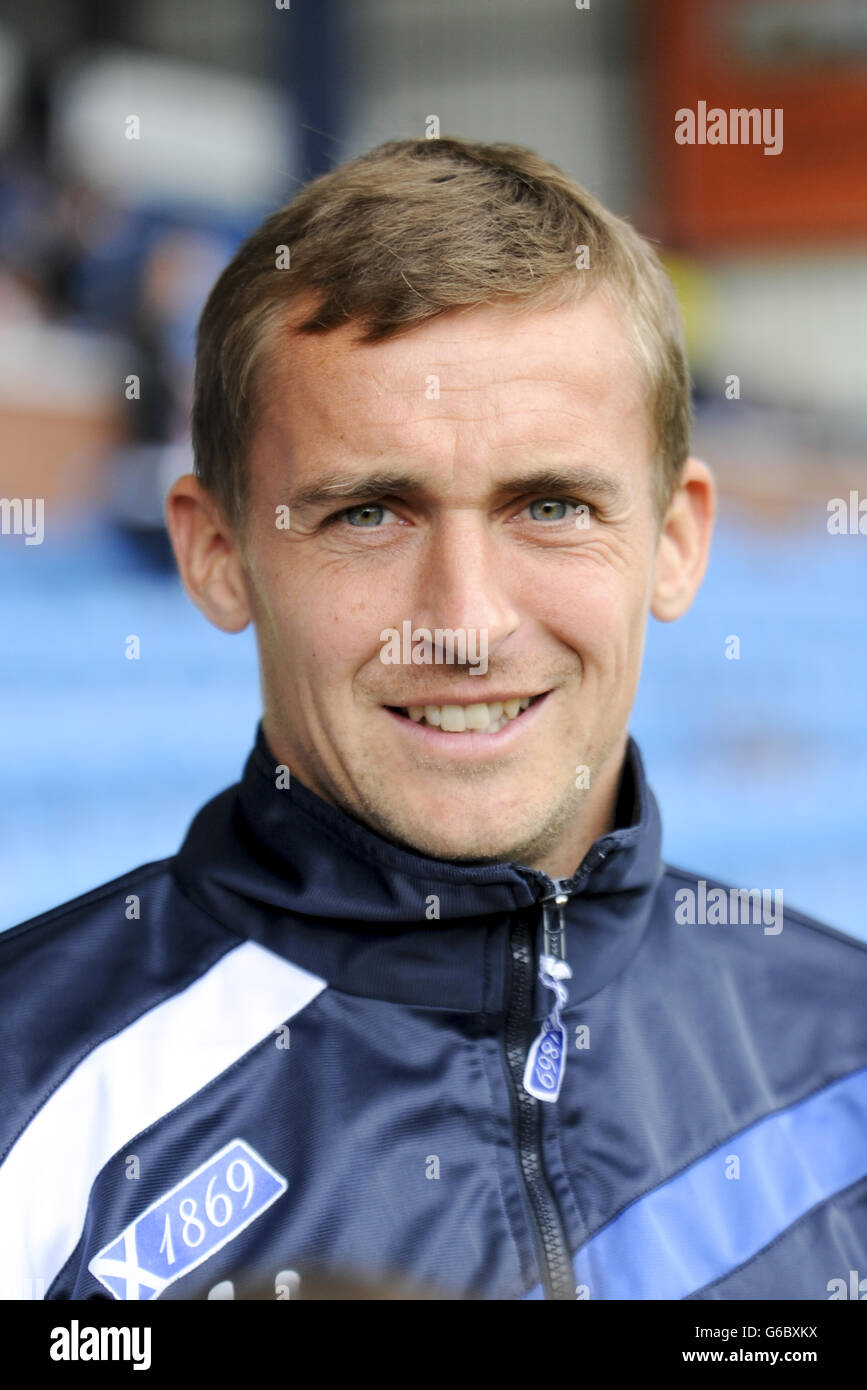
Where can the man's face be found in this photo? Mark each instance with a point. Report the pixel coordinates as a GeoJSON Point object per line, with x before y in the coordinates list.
{"type": "Point", "coordinates": [436, 446]}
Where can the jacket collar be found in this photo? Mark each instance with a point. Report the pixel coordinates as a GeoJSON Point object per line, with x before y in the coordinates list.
{"type": "Point", "coordinates": [284, 867]}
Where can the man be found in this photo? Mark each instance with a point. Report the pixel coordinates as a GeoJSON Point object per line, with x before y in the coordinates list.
{"type": "Point", "coordinates": [417, 1000]}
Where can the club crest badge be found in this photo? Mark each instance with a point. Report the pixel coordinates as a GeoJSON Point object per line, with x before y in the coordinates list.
{"type": "Point", "coordinates": [189, 1224]}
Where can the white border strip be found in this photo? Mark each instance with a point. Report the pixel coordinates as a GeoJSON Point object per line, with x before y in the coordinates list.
{"type": "Point", "coordinates": [122, 1087]}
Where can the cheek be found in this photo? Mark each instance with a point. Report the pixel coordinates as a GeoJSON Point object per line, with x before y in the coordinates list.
{"type": "Point", "coordinates": [313, 621]}
{"type": "Point", "coordinates": [599, 612]}
{"type": "Point", "coordinates": [325, 637]}
{"type": "Point", "coordinates": [586, 603]}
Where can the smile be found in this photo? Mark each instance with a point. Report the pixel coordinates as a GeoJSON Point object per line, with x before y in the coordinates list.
{"type": "Point", "coordinates": [480, 717]}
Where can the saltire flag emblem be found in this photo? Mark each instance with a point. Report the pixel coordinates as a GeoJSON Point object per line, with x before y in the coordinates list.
{"type": "Point", "coordinates": [189, 1224]}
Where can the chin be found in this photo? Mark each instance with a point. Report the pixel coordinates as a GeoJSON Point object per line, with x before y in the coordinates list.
{"type": "Point", "coordinates": [460, 848]}
{"type": "Point", "coordinates": [474, 824]}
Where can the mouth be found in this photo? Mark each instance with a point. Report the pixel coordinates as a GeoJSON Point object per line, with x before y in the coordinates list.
{"type": "Point", "coordinates": [471, 717]}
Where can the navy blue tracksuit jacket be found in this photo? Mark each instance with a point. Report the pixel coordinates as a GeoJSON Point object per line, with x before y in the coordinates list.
{"type": "Point", "coordinates": [296, 1045]}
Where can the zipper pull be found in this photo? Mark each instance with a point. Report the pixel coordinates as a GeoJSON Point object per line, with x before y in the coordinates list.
{"type": "Point", "coordinates": [546, 1060]}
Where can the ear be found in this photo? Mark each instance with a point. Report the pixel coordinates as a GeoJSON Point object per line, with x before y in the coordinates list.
{"type": "Point", "coordinates": [207, 553]}
{"type": "Point", "coordinates": [684, 543]}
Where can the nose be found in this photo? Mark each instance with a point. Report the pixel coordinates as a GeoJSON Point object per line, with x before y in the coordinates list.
{"type": "Point", "coordinates": [463, 579]}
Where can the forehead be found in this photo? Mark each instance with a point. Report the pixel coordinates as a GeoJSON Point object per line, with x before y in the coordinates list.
{"type": "Point", "coordinates": [488, 376]}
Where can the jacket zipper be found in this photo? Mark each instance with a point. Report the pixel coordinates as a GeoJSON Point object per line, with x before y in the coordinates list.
{"type": "Point", "coordinates": [558, 1277]}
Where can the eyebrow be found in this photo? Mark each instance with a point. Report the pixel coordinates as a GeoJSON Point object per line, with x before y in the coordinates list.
{"type": "Point", "coordinates": [551, 481]}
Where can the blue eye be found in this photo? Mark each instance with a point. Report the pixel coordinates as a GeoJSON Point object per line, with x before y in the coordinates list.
{"type": "Point", "coordinates": [364, 511]}
{"type": "Point", "coordinates": [550, 502]}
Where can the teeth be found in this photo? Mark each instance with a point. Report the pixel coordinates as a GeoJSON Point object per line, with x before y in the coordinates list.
{"type": "Point", "coordinates": [476, 717]}
{"type": "Point", "coordinates": [458, 719]}
{"type": "Point", "coordinates": [452, 719]}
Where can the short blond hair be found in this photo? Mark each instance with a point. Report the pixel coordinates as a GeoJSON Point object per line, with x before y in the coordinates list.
{"type": "Point", "coordinates": [408, 231]}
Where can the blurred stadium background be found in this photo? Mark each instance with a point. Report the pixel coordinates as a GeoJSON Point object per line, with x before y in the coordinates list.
{"type": "Point", "coordinates": [110, 244]}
